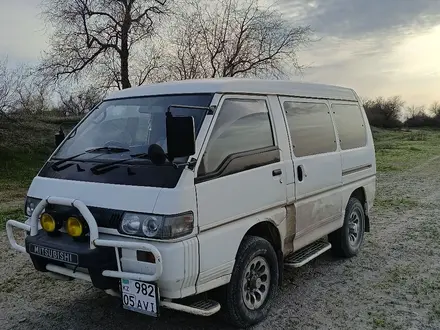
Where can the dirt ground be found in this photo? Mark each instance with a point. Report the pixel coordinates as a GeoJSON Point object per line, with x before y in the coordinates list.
{"type": "Point", "coordinates": [394, 283]}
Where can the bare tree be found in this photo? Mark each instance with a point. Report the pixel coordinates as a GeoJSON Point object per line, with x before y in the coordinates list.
{"type": "Point", "coordinates": [19, 91]}
{"type": "Point", "coordinates": [77, 103]}
{"type": "Point", "coordinates": [414, 111]}
{"type": "Point", "coordinates": [98, 34]}
{"type": "Point", "coordinates": [384, 112]}
{"type": "Point", "coordinates": [8, 85]}
{"type": "Point", "coordinates": [148, 66]}
{"type": "Point", "coordinates": [32, 95]}
{"type": "Point", "coordinates": [228, 38]}
{"type": "Point", "coordinates": [435, 109]}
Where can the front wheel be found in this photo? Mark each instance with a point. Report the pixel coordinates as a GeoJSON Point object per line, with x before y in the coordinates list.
{"type": "Point", "coordinates": [346, 241]}
{"type": "Point", "coordinates": [253, 284]}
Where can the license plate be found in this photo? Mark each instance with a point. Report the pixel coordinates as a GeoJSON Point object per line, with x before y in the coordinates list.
{"type": "Point", "coordinates": [63, 256]}
{"type": "Point", "coordinates": [140, 297]}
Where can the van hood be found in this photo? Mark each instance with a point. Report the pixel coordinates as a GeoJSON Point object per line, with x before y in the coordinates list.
{"type": "Point", "coordinates": [103, 195]}
{"type": "Point", "coordinates": [125, 175]}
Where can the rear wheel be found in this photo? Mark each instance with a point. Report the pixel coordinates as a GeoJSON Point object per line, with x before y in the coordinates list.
{"type": "Point", "coordinates": [346, 241]}
{"type": "Point", "coordinates": [253, 284]}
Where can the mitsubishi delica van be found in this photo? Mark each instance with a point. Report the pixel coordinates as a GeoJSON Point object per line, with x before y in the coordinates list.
{"type": "Point", "coordinates": [204, 189]}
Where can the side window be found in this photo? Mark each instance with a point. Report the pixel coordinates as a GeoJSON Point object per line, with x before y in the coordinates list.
{"type": "Point", "coordinates": [311, 128]}
{"type": "Point", "coordinates": [350, 125]}
{"type": "Point", "coordinates": [242, 125]}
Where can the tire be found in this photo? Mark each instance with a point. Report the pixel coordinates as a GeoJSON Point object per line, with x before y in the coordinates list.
{"type": "Point", "coordinates": [347, 240]}
{"type": "Point", "coordinates": [243, 308]}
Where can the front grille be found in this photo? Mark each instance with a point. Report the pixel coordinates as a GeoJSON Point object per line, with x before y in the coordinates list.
{"type": "Point", "coordinates": [105, 218]}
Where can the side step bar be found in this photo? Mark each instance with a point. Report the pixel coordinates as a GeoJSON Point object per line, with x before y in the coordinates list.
{"type": "Point", "coordinates": [306, 254]}
{"type": "Point", "coordinates": [200, 308]}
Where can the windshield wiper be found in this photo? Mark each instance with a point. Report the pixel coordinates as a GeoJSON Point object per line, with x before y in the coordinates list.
{"type": "Point", "coordinates": [102, 168]}
{"type": "Point", "coordinates": [111, 150]}
{"type": "Point", "coordinates": [55, 166]}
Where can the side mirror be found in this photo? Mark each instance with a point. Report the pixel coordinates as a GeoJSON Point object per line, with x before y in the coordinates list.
{"type": "Point", "coordinates": [181, 136]}
{"type": "Point", "coordinates": [59, 137]}
{"type": "Point", "coordinates": [156, 154]}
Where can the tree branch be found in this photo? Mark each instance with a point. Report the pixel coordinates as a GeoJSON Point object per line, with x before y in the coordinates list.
{"type": "Point", "coordinates": [90, 32]}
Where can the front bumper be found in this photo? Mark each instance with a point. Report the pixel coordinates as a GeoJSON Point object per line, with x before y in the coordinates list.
{"type": "Point", "coordinates": [100, 260]}
{"type": "Point", "coordinates": [88, 252]}
{"type": "Point", "coordinates": [92, 261]}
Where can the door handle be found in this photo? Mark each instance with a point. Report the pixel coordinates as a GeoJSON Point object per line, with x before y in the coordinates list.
{"type": "Point", "coordinates": [300, 173]}
{"type": "Point", "coordinates": [277, 172]}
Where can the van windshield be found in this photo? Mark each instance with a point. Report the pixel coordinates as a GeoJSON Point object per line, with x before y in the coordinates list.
{"type": "Point", "coordinates": [130, 125]}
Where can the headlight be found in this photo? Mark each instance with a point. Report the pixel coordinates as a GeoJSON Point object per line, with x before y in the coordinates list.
{"type": "Point", "coordinates": [156, 226]}
{"type": "Point", "coordinates": [30, 205]}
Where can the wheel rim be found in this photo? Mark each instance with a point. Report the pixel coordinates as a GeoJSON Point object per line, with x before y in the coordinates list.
{"type": "Point", "coordinates": [256, 283]}
{"type": "Point", "coordinates": [355, 227]}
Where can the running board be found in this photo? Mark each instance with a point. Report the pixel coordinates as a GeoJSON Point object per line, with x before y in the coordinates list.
{"type": "Point", "coordinates": [200, 308]}
{"type": "Point", "coordinates": [306, 254]}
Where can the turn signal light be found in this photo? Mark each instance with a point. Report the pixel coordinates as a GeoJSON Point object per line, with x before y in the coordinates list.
{"type": "Point", "coordinates": [145, 256]}
{"type": "Point", "coordinates": [48, 223]}
{"type": "Point", "coordinates": [74, 227]}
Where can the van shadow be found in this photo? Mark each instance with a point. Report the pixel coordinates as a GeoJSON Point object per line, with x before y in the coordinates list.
{"type": "Point", "coordinates": [96, 310]}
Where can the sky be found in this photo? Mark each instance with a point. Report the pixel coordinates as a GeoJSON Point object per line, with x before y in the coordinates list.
{"type": "Point", "coordinates": [378, 47]}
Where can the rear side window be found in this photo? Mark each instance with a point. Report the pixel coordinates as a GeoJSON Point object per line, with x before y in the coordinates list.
{"type": "Point", "coordinates": [242, 125]}
{"type": "Point", "coordinates": [350, 125]}
{"type": "Point", "coordinates": [311, 128]}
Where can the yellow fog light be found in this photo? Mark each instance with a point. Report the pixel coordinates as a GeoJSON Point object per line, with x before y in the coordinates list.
{"type": "Point", "coordinates": [48, 223]}
{"type": "Point", "coordinates": [74, 227]}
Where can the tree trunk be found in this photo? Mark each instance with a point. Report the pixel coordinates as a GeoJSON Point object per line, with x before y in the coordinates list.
{"type": "Point", "coordinates": [125, 80]}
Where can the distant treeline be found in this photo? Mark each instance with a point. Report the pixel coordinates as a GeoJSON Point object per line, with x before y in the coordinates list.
{"type": "Point", "coordinates": [381, 112]}
{"type": "Point", "coordinates": [392, 113]}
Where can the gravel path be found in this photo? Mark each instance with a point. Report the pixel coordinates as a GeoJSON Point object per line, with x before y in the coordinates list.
{"type": "Point", "coordinates": [393, 284]}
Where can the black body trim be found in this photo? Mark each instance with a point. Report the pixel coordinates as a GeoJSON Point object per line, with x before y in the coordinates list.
{"type": "Point", "coordinates": [96, 260]}
{"type": "Point", "coordinates": [209, 94]}
{"type": "Point", "coordinates": [145, 175]}
{"type": "Point", "coordinates": [105, 218]}
{"type": "Point", "coordinates": [356, 169]}
{"type": "Point", "coordinates": [241, 162]}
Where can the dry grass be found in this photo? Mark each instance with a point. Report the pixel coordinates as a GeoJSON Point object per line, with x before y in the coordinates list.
{"type": "Point", "coordinates": [401, 150]}
{"type": "Point", "coordinates": [24, 146]}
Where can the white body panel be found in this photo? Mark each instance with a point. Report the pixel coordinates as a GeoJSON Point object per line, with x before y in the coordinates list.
{"type": "Point", "coordinates": [228, 206]}
{"type": "Point", "coordinates": [236, 196]}
{"type": "Point", "coordinates": [267, 192]}
{"type": "Point", "coordinates": [239, 86]}
{"type": "Point", "coordinates": [317, 194]}
{"type": "Point", "coordinates": [218, 246]}
{"type": "Point", "coordinates": [136, 199]}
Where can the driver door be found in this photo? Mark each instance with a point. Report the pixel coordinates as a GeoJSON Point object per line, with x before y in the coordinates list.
{"type": "Point", "coordinates": [241, 174]}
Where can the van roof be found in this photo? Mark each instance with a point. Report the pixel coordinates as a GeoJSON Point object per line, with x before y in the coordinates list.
{"type": "Point", "coordinates": [239, 85]}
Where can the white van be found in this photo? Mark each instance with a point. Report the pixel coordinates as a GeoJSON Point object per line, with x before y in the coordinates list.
{"type": "Point", "coordinates": [171, 190]}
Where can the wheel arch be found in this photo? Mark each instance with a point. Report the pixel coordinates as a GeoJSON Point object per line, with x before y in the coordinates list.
{"type": "Point", "coordinates": [269, 231]}
{"type": "Point", "coordinates": [360, 195]}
